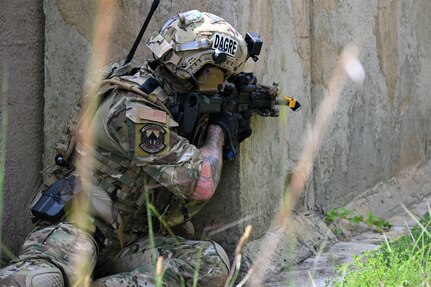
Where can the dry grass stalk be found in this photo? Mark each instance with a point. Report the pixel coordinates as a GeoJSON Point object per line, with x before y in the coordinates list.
{"type": "Point", "coordinates": [346, 65]}
{"type": "Point", "coordinates": [102, 30]}
{"type": "Point", "coordinates": [313, 283]}
{"type": "Point", "coordinates": [159, 272]}
{"type": "Point", "coordinates": [243, 240]}
{"type": "Point", "coordinates": [237, 259]}
{"type": "Point", "coordinates": [159, 267]}
{"type": "Point", "coordinates": [212, 230]}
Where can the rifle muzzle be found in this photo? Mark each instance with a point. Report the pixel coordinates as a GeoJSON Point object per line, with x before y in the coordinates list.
{"type": "Point", "coordinates": [290, 102]}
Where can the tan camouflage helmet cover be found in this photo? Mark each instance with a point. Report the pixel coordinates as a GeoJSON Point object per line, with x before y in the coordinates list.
{"type": "Point", "coordinates": [194, 39]}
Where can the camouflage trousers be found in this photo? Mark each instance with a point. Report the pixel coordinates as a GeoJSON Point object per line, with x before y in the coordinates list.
{"type": "Point", "coordinates": [62, 255]}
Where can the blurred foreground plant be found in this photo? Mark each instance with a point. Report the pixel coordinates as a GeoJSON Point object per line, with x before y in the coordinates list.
{"type": "Point", "coordinates": [3, 142]}
{"type": "Point", "coordinates": [348, 66]}
{"type": "Point", "coordinates": [4, 252]}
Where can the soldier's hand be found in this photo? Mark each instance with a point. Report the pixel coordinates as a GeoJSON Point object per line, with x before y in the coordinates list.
{"type": "Point", "coordinates": [229, 123]}
{"type": "Point", "coordinates": [244, 125]}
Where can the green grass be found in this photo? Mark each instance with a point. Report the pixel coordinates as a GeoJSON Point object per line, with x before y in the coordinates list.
{"type": "Point", "coordinates": [403, 262]}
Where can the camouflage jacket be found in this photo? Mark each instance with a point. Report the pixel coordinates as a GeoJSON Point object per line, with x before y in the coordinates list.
{"type": "Point", "coordinates": [137, 149]}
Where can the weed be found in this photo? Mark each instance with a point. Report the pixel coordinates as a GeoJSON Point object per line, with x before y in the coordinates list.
{"type": "Point", "coordinates": [334, 215]}
{"type": "Point", "coordinates": [372, 220]}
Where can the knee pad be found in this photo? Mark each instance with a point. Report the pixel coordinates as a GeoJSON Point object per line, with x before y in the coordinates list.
{"type": "Point", "coordinates": [34, 274]}
{"type": "Point", "coordinates": [128, 279]}
{"type": "Point", "coordinates": [47, 277]}
{"type": "Point", "coordinates": [62, 245]}
{"type": "Point", "coordinates": [222, 253]}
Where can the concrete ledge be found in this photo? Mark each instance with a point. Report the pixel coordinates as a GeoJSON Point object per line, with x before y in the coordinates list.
{"type": "Point", "coordinates": [312, 234]}
{"type": "Point", "coordinates": [309, 234]}
{"type": "Point", "coordinates": [385, 199]}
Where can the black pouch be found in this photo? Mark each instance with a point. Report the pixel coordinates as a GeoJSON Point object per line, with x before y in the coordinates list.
{"type": "Point", "coordinates": [50, 205]}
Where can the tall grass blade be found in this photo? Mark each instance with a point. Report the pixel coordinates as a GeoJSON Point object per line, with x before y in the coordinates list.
{"type": "Point", "coordinates": [151, 230]}
{"type": "Point", "coordinates": [313, 284]}
{"type": "Point", "coordinates": [6, 251]}
{"type": "Point", "coordinates": [412, 215]}
{"type": "Point", "coordinates": [197, 267]}
{"type": "Point", "coordinates": [236, 264]}
{"type": "Point", "coordinates": [387, 243]}
{"type": "Point", "coordinates": [211, 230]}
{"type": "Point", "coordinates": [318, 255]}
{"type": "Point", "coordinates": [3, 139]}
{"type": "Point", "coordinates": [163, 222]}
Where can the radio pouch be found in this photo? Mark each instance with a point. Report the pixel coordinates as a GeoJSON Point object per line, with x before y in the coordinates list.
{"type": "Point", "coordinates": [50, 205]}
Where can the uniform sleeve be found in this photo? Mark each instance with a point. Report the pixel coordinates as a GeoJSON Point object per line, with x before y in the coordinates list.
{"type": "Point", "coordinates": [152, 143]}
{"type": "Point", "coordinates": [178, 169]}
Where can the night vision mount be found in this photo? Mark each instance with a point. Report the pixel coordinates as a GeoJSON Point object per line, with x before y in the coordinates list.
{"type": "Point", "coordinates": [254, 45]}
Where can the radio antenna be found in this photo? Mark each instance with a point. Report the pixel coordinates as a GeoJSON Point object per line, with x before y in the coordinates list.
{"type": "Point", "coordinates": [141, 33]}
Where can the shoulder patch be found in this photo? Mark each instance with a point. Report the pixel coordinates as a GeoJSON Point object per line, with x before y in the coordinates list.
{"type": "Point", "coordinates": [151, 139]}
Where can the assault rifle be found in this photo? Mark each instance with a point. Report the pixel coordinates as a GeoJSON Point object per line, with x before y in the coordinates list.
{"type": "Point", "coordinates": [239, 95]}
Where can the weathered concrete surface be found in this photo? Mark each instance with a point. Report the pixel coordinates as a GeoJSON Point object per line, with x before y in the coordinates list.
{"type": "Point", "coordinates": [269, 155]}
{"type": "Point", "coordinates": [21, 70]}
{"type": "Point", "coordinates": [306, 236]}
{"type": "Point", "coordinates": [382, 126]}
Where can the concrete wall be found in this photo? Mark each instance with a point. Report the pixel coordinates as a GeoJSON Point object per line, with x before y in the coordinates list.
{"type": "Point", "coordinates": [381, 127]}
{"type": "Point", "coordinates": [21, 70]}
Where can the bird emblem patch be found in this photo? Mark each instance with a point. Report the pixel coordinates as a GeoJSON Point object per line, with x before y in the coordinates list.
{"type": "Point", "coordinates": [152, 140]}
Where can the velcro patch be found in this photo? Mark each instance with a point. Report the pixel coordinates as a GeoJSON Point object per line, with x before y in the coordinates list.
{"type": "Point", "coordinates": [225, 43]}
{"type": "Point", "coordinates": [151, 139]}
{"type": "Point", "coordinates": [153, 115]}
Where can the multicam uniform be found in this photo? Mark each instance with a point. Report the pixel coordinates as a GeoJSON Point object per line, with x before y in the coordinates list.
{"type": "Point", "coordinates": [137, 150]}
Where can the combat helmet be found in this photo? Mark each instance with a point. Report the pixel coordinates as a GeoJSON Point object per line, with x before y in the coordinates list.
{"type": "Point", "coordinates": [193, 40]}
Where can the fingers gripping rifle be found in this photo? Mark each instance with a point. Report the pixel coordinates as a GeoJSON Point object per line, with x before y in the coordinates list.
{"type": "Point", "coordinates": [240, 95]}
